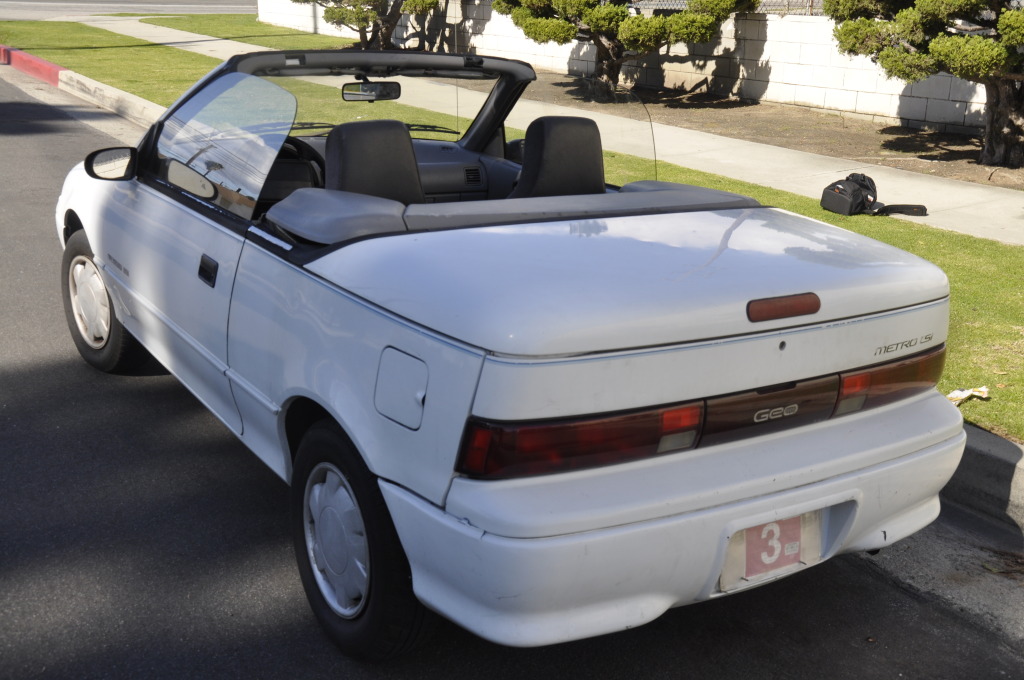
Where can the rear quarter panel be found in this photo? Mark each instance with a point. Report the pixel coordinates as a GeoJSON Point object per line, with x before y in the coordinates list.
{"type": "Point", "coordinates": [294, 335]}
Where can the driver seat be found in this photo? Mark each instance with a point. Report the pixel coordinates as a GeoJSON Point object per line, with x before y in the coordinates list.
{"type": "Point", "coordinates": [373, 157]}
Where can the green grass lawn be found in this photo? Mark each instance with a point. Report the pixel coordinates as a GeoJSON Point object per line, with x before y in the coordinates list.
{"type": "Point", "coordinates": [986, 342]}
{"type": "Point", "coordinates": [247, 28]}
{"type": "Point", "coordinates": [154, 72]}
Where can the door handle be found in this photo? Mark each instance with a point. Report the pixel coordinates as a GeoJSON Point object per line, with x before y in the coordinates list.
{"type": "Point", "coordinates": [208, 270]}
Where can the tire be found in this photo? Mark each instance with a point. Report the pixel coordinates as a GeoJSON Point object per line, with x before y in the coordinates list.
{"type": "Point", "coordinates": [353, 569]}
{"type": "Point", "coordinates": [100, 338]}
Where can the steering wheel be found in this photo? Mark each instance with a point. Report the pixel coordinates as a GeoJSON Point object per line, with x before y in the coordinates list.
{"type": "Point", "coordinates": [296, 148]}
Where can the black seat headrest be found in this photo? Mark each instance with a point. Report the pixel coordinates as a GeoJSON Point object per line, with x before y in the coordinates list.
{"type": "Point", "coordinates": [373, 157]}
{"type": "Point", "coordinates": [561, 157]}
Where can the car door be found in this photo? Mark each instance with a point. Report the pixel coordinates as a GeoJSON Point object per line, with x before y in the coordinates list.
{"type": "Point", "coordinates": [176, 242]}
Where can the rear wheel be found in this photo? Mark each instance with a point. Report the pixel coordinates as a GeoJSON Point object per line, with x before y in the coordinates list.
{"type": "Point", "coordinates": [99, 337]}
{"type": "Point", "coordinates": [352, 565]}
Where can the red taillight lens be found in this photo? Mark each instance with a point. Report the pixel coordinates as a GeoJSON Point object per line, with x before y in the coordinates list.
{"type": "Point", "coordinates": [785, 307]}
{"type": "Point", "coordinates": [501, 450]}
{"type": "Point", "coordinates": [885, 384]}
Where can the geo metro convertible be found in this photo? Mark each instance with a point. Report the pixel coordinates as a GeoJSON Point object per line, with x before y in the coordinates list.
{"type": "Point", "coordinates": [509, 378]}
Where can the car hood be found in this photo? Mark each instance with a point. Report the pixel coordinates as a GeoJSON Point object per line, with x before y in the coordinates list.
{"type": "Point", "coordinates": [584, 286]}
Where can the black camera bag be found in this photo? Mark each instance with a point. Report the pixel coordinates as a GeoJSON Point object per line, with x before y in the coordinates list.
{"type": "Point", "coordinates": [857, 195]}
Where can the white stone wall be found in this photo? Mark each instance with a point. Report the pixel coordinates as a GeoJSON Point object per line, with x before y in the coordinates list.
{"type": "Point", "coordinates": [290, 14]}
{"type": "Point", "coordinates": [495, 35]}
{"type": "Point", "coordinates": [784, 59]}
{"type": "Point", "coordinates": [795, 60]}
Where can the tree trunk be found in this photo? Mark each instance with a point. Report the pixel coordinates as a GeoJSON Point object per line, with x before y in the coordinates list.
{"type": "Point", "coordinates": [607, 66]}
{"type": "Point", "coordinates": [388, 24]}
{"type": "Point", "coordinates": [1004, 124]}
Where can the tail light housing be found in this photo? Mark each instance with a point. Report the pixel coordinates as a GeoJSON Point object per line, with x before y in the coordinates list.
{"type": "Point", "coordinates": [884, 384]}
{"type": "Point", "coordinates": [502, 450]}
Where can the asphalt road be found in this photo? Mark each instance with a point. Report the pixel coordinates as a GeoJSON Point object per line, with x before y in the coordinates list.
{"type": "Point", "coordinates": [40, 9]}
{"type": "Point", "coordinates": [139, 539]}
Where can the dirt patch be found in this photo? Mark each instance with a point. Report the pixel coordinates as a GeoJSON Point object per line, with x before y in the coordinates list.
{"type": "Point", "coordinates": [803, 129]}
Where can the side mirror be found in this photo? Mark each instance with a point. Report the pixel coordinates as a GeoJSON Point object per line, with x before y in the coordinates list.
{"type": "Point", "coordinates": [112, 164]}
{"type": "Point", "coordinates": [371, 92]}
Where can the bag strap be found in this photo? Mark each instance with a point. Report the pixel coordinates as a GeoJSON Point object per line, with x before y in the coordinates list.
{"type": "Point", "coordinates": [901, 209]}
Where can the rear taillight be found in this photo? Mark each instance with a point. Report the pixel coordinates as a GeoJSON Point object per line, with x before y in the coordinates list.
{"type": "Point", "coordinates": [500, 450]}
{"type": "Point", "coordinates": [887, 383]}
{"type": "Point", "coordinates": [497, 450]}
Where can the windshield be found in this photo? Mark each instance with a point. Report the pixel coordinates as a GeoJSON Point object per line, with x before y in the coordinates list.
{"type": "Point", "coordinates": [249, 138]}
{"type": "Point", "coordinates": [431, 107]}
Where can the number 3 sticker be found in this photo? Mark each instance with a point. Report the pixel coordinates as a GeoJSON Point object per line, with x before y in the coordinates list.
{"type": "Point", "coordinates": [773, 546]}
{"type": "Point", "coordinates": [771, 533]}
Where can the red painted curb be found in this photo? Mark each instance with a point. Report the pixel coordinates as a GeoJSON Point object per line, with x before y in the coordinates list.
{"type": "Point", "coordinates": [33, 66]}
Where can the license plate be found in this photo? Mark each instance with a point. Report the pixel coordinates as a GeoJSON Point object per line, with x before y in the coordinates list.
{"type": "Point", "coordinates": [771, 549]}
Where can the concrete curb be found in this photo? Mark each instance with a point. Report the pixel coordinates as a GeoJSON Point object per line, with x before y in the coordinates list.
{"type": "Point", "coordinates": [990, 478]}
{"type": "Point", "coordinates": [33, 66]}
{"type": "Point", "coordinates": [129, 106]}
{"type": "Point", "coordinates": [988, 482]}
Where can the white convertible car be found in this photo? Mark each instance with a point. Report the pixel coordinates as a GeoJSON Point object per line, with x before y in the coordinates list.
{"type": "Point", "coordinates": [508, 378]}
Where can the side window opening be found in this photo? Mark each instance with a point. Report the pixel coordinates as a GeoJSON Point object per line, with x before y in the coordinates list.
{"type": "Point", "coordinates": [221, 144]}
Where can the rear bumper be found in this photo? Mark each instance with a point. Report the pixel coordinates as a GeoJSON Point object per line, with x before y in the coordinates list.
{"type": "Point", "coordinates": [554, 587]}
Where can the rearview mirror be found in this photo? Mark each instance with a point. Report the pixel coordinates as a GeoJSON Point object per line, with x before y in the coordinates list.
{"type": "Point", "coordinates": [371, 92]}
{"type": "Point", "coordinates": [112, 164]}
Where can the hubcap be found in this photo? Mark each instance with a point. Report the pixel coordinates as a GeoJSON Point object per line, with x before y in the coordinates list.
{"type": "Point", "coordinates": [89, 302]}
{"type": "Point", "coordinates": [336, 541]}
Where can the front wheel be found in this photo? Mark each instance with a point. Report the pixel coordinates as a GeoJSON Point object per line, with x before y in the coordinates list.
{"type": "Point", "coordinates": [352, 565]}
{"type": "Point", "coordinates": [99, 337]}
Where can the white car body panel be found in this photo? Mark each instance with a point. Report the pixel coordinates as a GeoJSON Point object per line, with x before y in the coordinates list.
{"type": "Point", "coordinates": [527, 592]}
{"type": "Point", "coordinates": [293, 335]}
{"type": "Point", "coordinates": [180, 319]}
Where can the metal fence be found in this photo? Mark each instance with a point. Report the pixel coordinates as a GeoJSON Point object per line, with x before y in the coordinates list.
{"type": "Point", "coordinates": [781, 7]}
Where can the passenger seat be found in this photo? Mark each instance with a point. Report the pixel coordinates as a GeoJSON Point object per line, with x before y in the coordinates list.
{"type": "Point", "coordinates": [562, 156]}
{"type": "Point", "coordinates": [373, 157]}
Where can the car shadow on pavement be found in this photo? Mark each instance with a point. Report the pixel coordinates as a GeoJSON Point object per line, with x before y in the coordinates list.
{"type": "Point", "coordinates": [142, 540]}
{"type": "Point", "coordinates": [988, 482]}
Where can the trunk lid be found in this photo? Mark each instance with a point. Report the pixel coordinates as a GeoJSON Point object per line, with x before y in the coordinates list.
{"type": "Point", "coordinates": [576, 287]}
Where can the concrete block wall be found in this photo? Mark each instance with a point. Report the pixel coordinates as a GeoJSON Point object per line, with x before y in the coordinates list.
{"type": "Point", "coordinates": [309, 18]}
{"type": "Point", "coordinates": [472, 26]}
{"type": "Point", "coordinates": [784, 59]}
{"type": "Point", "coordinates": [795, 60]}
{"type": "Point", "coordinates": [487, 32]}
